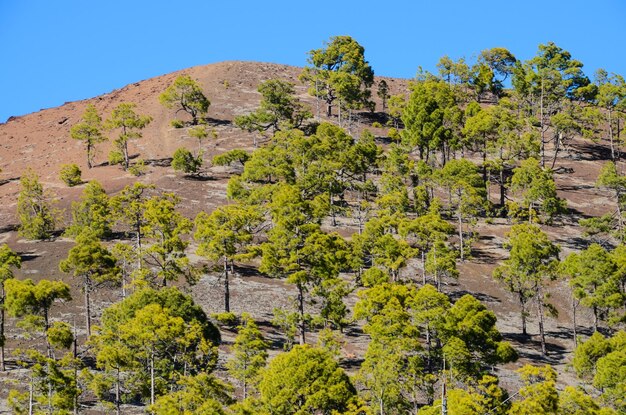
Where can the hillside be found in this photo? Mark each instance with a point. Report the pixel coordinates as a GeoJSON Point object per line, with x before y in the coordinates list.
{"type": "Point", "coordinates": [41, 141]}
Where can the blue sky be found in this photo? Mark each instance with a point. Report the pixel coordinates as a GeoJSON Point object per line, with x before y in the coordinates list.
{"type": "Point", "coordinates": [62, 50]}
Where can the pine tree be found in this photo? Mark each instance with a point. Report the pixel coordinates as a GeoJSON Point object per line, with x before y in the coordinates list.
{"type": "Point", "coordinates": [249, 355]}
{"type": "Point", "coordinates": [89, 131]}
{"type": "Point", "coordinates": [9, 260]}
{"type": "Point", "coordinates": [93, 265]}
{"type": "Point", "coordinates": [37, 218]}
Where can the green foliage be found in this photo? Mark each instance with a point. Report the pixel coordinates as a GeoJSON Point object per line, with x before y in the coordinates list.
{"type": "Point", "coordinates": [305, 380]}
{"type": "Point", "coordinates": [150, 341]}
{"type": "Point", "coordinates": [92, 264]}
{"type": "Point", "coordinates": [89, 130]}
{"type": "Point", "coordinates": [138, 168]}
{"type": "Point", "coordinates": [185, 94]}
{"type": "Point", "coordinates": [467, 195]}
{"type": "Point", "coordinates": [412, 330]}
{"type": "Point", "coordinates": [610, 178]}
{"type": "Point", "coordinates": [279, 109]}
{"type": "Point", "coordinates": [226, 235]}
{"type": "Point", "coordinates": [53, 385]}
{"type": "Point", "coordinates": [183, 160]}
{"type": "Point", "coordinates": [32, 302]}
{"type": "Point", "coordinates": [177, 123]}
{"type": "Point", "coordinates": [116, 157]}
{"type": "Point", "coordinates": [249, 355]}
{"type": "Point", "coordinates": [227, 318]}
{"type": "Point", "coordinates": [486, 397]}
{"type": "Point", "coordinates": [34, 210]}
{"type": "Point", "coordinates": [383, 93]}
{"type": "Point", "coordinates": [128, 209]}
{"type": "Point", "coordinates": [70, 175]}
{"type": "Point", "coordinates": [602, 360]}
{"type": "Point", "coordinates": [593, 280]}
{"type": "Point", "coordinates": [537, 190]}
{"type": "Point", "coordinates": [539, 392]}
{"type": "Point", "coordinates": [574, 401]}
{"type": "Point", "coordinates": [587, 354]}
{"type": "Point", "coordinates": [431, 117]}
{"type": "Point", "coordinates": [229, 157]}
{"type": "Point", "coordinates": [166, 228]}
{"type": "Point", "coordinates": [60, 335]}
{"type": "Point", "coordinates": [532, 262]}
{"type": "Point", "coordinates": [339, 72]}
{"type": "Point", "coordinates": [9, 260]}
{"type": "Point", "coordinates": [129, 123]}
{"type": "Point", "coordinates": [92, 211]}
{"type": "Point", "coordinates": [500, 63]}
{"type": "Point", "coordinates": [202, 394]}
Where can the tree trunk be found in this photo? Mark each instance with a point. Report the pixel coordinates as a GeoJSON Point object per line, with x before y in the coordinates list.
{"type": "Point", "coordinates": [226, 287]}
{"type": "Point", "coordinates": [543, 142]}
{"type": "Point", "coordinates": [117, 393]}
{"type": "Point", "coordinates": [2, 338]}
{"type": "Point", "coordinates": [126, 157]}
{"type": "Point", "coordinates": [461, 232]}
{"type": "Point", "coordinates": [89, 150]}
{"type": "Point", "coordinates": [30, 396]}
{"type": "Point", "coordinates": [86, 288]}
{"type": "Point", "coordinates": [523, 315]}
{"type": "Point", "coordinates": [152, 380]}
{"type": "Point", "coordinates": [502, 188]}
{"type": "Point", "coordinates": [542, 334]}
{"type": "Point", "coordinates": [423, 268]}
{"type": "Point", "coordinates": [574, 305]}
{"type": "Point", "coordinates": [611, 134]}
{"type": "Point", "coordinates": [595, 318]}
{"type": "Point", "coordinates": [301, 323]}
{"type": "Point", "coordinates": [485, 160]}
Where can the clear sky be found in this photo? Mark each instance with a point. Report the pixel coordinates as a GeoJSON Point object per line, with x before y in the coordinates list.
{"type": "Point", "coordinates": [65, 50]}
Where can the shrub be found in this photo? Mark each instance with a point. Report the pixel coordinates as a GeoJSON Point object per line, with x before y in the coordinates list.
{"type": "Point", "coordinates": [394, 134]}
{"type": "Point", "coordinates": [184, 161]}
{"type": "Point", "coordinates": [70, 174]}
{"type": "Point", "coordinates": [177, 123]}
{"type": "Point", "coordinates": [228, 319]}
{"type": "Point", "coordinates": [376, 124]}
{"type": "Point", "coordinates": [116, 157]}
{"type": "Point", "coordinates": [138, 168]}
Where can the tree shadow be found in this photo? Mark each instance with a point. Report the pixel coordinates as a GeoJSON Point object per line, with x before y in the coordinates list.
{"type": "Point", "coordinates": [351, 362]}
{"type": "Point", "coordinates": [590, 151]}
{"type": "Point", "coordinates": [480, 256]}
{"type": "Point", "coordinates": [164, 162]}
{"type": "Point", "coordinates": [9, 180]}
{"type": "Point", "coordinates": [372, 117]}
{"type": "Point", "coordinates": [246, 271]}
{"type": "Point", "coordinates": [485, 298]}
{"type": "Point", "coordinates": [28, 256]}
{"type": "Point", "coordinates": [217, 121]}
{"type": "Point", "coordinates": [11, 227]}
{"type": "Point", "coordinates": [576, 242]}
{"type": "Point", "coordinates": [555, 352]}
{"type": "Point", "coordinates": [200, 178]}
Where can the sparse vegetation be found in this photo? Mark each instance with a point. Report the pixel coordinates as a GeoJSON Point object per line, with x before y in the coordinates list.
{"type": "Point", "coordinates": [186, 162]}
{"type": "Point", "coordinates": [70, 175]}
{"type": "Point", "coordinates": [408, 260]}
{"type": "Point", "coordinates": [34, 208]}
{"type": "Point", "coordinates": [186, 95]}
